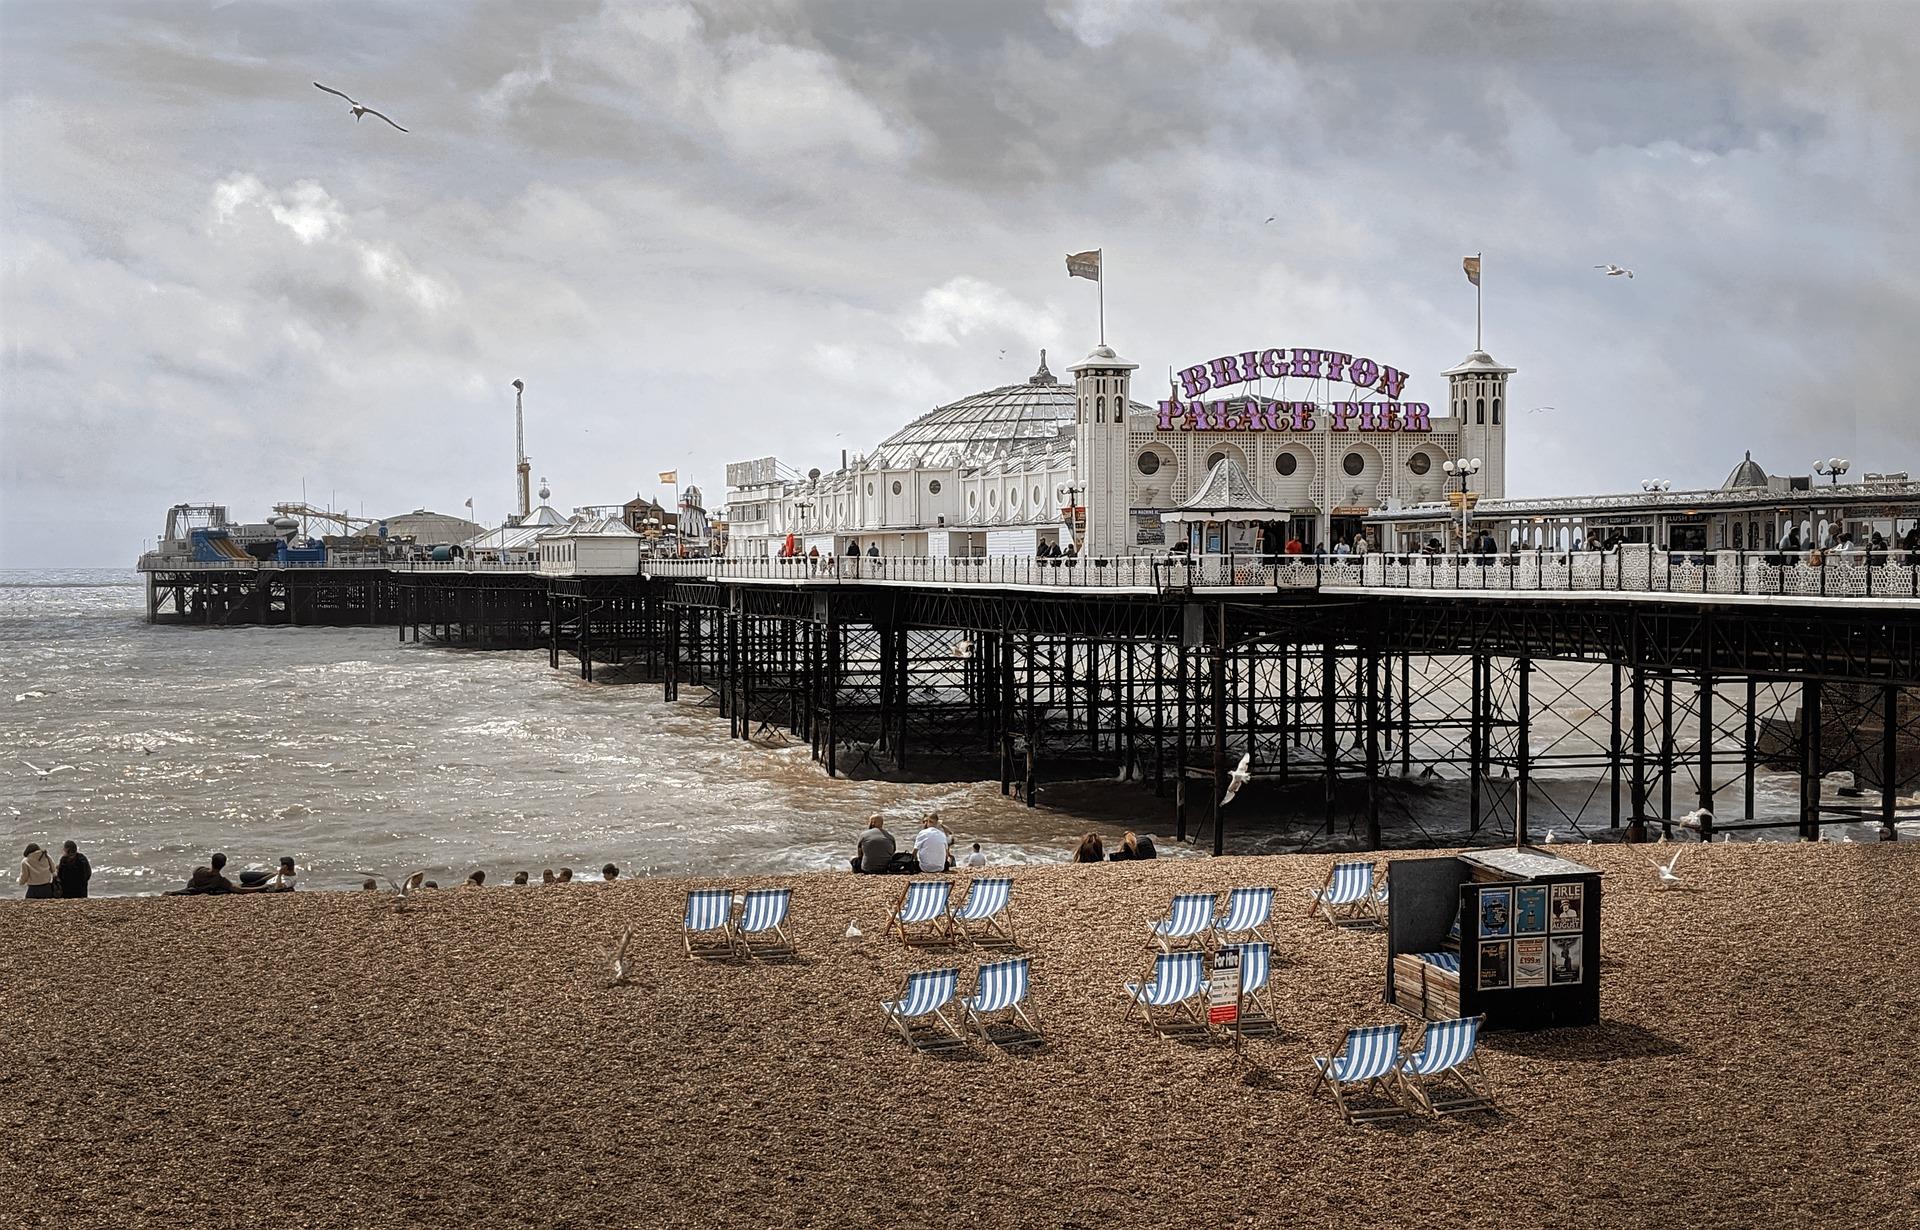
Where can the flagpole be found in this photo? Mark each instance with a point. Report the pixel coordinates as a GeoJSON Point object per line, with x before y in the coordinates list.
{"type": "Point", "coordinates": [1480, 271]}
{"type": "Point", "coordinates": [1103, 297]}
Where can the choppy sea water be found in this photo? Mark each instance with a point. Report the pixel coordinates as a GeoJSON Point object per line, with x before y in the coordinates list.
{"type": "Point", "coordinates": [152, 746]}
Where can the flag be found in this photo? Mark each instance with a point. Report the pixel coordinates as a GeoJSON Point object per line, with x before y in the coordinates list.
{"type": "Point", "coordinates": [469, 504]}
{"type": "Point", "coordinates": [669, 476]}
{"type": "Point", "coordinates": [1084, 265]}
{"type": "Point", "coordinates": [1472, 265]}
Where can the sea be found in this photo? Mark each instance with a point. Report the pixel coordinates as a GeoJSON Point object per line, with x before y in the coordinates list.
{"type": "Point", "coordinates": [153, 746]}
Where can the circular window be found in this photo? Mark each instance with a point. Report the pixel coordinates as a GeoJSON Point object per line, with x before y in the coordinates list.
{"type": "Point", "coordinates": [1419, 463]}
{"type": "Point", "coordinates": [869, 488]}
{"type": "Point", "coordinates": [1353, 463]}
{"type": "Point", "coordinates": [1286, 463]}
{"type": "Point", "coordinates": [1149, 463]}
{"type": "Point", "coordinates": [933, 488]}
{"type": "Point", "coordinates": [1013, 498]}
{"type": "Point", "coordinates": [1214, 459]}
{"type": "Point", "coordinates": [1036, 497]}
{"type": "Point", "coordinates": [973, 498]}
{"type": "Point", "coordinates": [896, 488]}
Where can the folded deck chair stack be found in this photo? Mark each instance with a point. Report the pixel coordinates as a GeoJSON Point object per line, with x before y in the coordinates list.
{"type": "Point", "coordinates": [999, 1010]}
{"type": "Point", "coordinates": [925, 1012]}
{"type": "Point", "coordinates": [1174, 999]}
{"type": "Point", "coordinates": [1444, 1075]}
{"type": "Point", "coordinates": [1365, 1069]}
{"type": "Point", "coordinates": [1190, 917]}
{"type": "Point", "coordinates": [762, 929]}
{"type": "Point", "coordinates": [922, 917]}
{"type": "Point", "coordinates": [986, 916]}
{"type": "Point", "coordinates": [707, 929]}
{"type": "Point", "coordinates": [1347, 899]}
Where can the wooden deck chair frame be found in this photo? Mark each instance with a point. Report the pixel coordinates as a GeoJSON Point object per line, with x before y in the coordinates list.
{"type": "Point", "coordinates": [1462, 1088]}
{"type": "Point", "coordinates": [1023, 1016]}
{"type": "Point", "coordinates": [1346, 1094]}
{"type": "Point", "coordinates": [1185, 1019]}
{"type": "Point", "coordinates": [1256, 1007]}
{"type": "Point", "coordinates": [932, 1031]}
{"type": "Point", "coordinates": [719, 944]}
{"type": "Point", "coordinates": [993, 931]}
{"type": "Point", "coordinates": [1362, 913]}
{"type": "Point", "coordinates": [938, 930]}
{"type": "Point", "coordinates": [771, 944]}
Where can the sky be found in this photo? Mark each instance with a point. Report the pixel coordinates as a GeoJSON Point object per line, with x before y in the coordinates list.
{"type": "Point", "coordinates": [709, 232]}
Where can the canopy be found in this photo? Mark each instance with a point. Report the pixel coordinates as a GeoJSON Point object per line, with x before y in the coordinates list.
{"type": "Point", "coordinates": [1228, 495]}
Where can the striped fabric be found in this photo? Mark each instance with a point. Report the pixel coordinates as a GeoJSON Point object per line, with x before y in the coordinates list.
{"type": "Point", "coordinates": [926, 901]}
{"type": "Point", "coordinates": [1447, 1044]}
{"type": "Point", "coordinates": [765, 909]}
{"type": "Point", "coordinates": [1256, 967]}
{"type": "Point", "coordinates": [985, 898]}
{"type": "Point", "coordinates": [1190, 914]}
{"type": "Point", "coordinates": [1247, 908]}
{"type": "Point", "coordinates": [1370, 1052]}
{"type": "Point", "coordinates": [1351, 882]}
{"type": "Point", "coordinates": [1448, 961]}
{"type": "Point", "coordinates": [1002, 985]}
{"type": "Point", "coordinates": [709, 909]}
{"type": "Point", "coordinates": [927, 991]}
{"type": "Point", "coordinates": [1380, 894]}
{"type": "Point", "coordinates": [1177, 976]}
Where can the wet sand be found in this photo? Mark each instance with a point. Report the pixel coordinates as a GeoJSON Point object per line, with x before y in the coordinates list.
{"type": "Point", "coordinates": [322, 1060]}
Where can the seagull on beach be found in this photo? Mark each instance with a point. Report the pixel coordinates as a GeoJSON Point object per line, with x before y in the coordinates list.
{"type": "Point", "coordinates": [402, 889]}
{"type": "Point", "coordinates": [853, 931]}
{"type": "Point", "coordinates": [1614, 271]}
{"type": "Point", "coordinates": [357, 107]}
{"type": "Point", "coordinates": [40, 772]}
{"type": "Point", "coordinates": [1241, 775]}
{"type": "Point", "coordinates": [1668, 878]}
{"type": "Point", "coordinates": [620, 959]}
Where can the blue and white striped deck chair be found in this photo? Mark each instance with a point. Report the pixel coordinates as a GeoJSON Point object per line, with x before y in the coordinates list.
{"type": "Point", "coordinates": [762, 930]}
{"type": "Point", "coordinates": [707, 929]}
{"type": "Point", "coordinates": [1190, 917]}
{"type": "Point", "coordinates": [1347, 898]}
{"type": "Point", "coordinates": [922, 1011]}
{"type": "Point", "coordinates": [986, 916]}
{"type": "Point", "coordinates": [923, 909]}
{"type": "Point", "coordinates": [1175, 998]}
{"type": "Point", "coordinates": [1002, 992]}
{"type": "Point", "coordinates": [1444, 1075]}
{"type": "Point", "coordinates": [1365, 1067]}
{"type": "Point", "coordinates": [1256, 972]}
{"type": "Point", "coordinates": [1246, 916]}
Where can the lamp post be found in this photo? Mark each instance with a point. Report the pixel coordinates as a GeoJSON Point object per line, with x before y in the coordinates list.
{"type": "Point", "coordinates": [1655, 484]}
{"type": "Point", "coordinates": [1073, 505]}
{"type": "Point", "coordinates": [1463, 469]}
{"type": "Point", "coordinates": [1833, 468]}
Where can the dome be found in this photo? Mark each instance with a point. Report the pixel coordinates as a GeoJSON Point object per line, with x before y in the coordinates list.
{"type": "Point", "coordinates": [983, 426]}
{"type": "Point", "coordinates": [1478, 363]}
{"type": "Point", "coordinates": [1748, 473]}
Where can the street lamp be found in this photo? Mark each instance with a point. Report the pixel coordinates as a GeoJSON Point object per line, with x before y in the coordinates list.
{"type": "Point", "coordinates": [1655, 484]}
{"type": "Point", "coordinates": [1463, 469]}
{"type": "Point", "coordinates": [1073, 506]}
{"type": "Point", "coordinates": [1832, 467]}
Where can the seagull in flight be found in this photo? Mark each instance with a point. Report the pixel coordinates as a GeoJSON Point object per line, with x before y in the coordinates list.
{"type": "Point", "coordinates": [1614, 271]}
{"type": "Point", "coordinates": [1241, 775]}
{"type": "Point", "coordinates": [357, 107]}
{"type": "Point", "coordinates": [1666, 871]}
{"type": "Point", "coordinates": [1538, 409]}
{"type": "Point", "coordinates": [402, 889]}
{"type": "Point", "coordinates": [40, 772]}
{"type": "Point", "coordinates": [1270, 219]}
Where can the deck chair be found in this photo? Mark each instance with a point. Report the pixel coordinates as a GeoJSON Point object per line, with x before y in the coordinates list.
{"type": "Point", "coordinates": [762, 930]}
{"type": "Point", "coordinates": [1365, 1067]}
{"type": "Point", "coordinates": [922, 1011]}
{"type": "Point", "coordinates": [986, 916]}
{"type": "Point", "coordinates": [1256, 1005]}
{"type": "Point", "coordinates": [1246, 916]}
{"type": "Point", "coordinates": [1003, 990]}
{"type": "Point", "coordinates": [1347, 900]}
{"type": "Point", "coordinates": [1444, 1075]}
{"type": "Point", "coordinates": [707, 930]}
{"type": "Point", "coordinates": [1174, 1000]}
{"type": "Point", "coordinates": [923, 908]}
{"type": "Point", "coordinates": [1189, 917]}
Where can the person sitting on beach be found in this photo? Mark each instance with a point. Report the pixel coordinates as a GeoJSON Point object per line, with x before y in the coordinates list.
{"type": "Point", "coordinates": [976, 859]}
{"type": "Point", "coordinates": [609, 873]}
{"type": "Point", "coordinates": [369, 885]}
{"type": "Point", "coordinates": [36, 872]}
{"type": "Point", "coordinates": [280, 881]}
{"type": "Point", "coordinates": [876, 847]}
{"type": "Point", "coordinates": [520, 879]}
{"type": "Point", "coordinates": [931, 846]}
{"type": "Point", "coordinates": [546, 877]}
{"type": "Point", "coordinates": [477, 880]}
{"type": "Point", "coordinates": [71, 876]}
{"type": "Point", "coordinates": [565, 876]}
{"type": "Point", "coordinates": [1132, 847]}
{"type": "Point", "coordinates": [1090, 850]}
{"type": "Point", "coordinates": [206, 880]}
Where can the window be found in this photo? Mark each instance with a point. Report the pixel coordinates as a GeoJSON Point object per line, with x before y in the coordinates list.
{"type": "Point", "coordinates": [1286, 463]}
{"type": "Point", "coordinates": [973, 499]}
{"type": "Point", "coordinates": [1419, 463]}
{"type": "Point", "coordinates": [1149, 463]}
{"type": "Point", "coordinates": [1013, 498]}
{"type": "Point", "coordinates": [869, 490]}
{"type": "Point", "coordinates": [1036, 497]}
{"type": "Point", "coordinates": [1353, 463]}
{"type": "Point", "coordinates": [993, 500]}
{"type": "Point", "coordinates": [1496, 412]}
{"type": "Point", "coordinates": [896, 486]}
{"type": "Point", "coordinates": [1480, 410]}
{"type": "Point", "coordinates": [933, 488]}
{"type": "Point", "coordinates": [1214, 459]}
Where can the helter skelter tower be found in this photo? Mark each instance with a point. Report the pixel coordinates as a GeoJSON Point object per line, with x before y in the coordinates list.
{"type": "Point", "coordinates": [521, 467]}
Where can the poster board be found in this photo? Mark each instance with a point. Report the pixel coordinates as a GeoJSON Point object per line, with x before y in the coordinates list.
{"type": "Point", "coordinates": [1223, 987]}
{"type": "Point", "coordinates": [1529, 958]}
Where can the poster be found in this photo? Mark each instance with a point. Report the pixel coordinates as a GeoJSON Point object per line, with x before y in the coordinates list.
{"type": "Point", "coordinates": [1567, 963]}
{"type": "Point", "coordinates": [1568, 903]}
{"type": "Point", "coordinates": [1530, 910]}
{"type": "Point", "coordinates": [1530, 960]}
{"type": "Point", "coordinates": [1495, 971]}
{"type": "Point", "coordinates": [1223, 988]}
{"type": "Point", "coordinates": [1496, 912]}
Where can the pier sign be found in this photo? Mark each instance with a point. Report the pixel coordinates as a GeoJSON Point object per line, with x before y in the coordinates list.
{"type": "Point", "coordinates": [1254, 413]}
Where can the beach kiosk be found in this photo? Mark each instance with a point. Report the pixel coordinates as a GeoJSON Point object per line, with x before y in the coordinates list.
{"type": "Point", "coordinates": [1511, 934]}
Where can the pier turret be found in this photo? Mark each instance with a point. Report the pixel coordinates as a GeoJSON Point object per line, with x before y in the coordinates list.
{"type": "Point", "coordinates": [1101, 386]}
{"type": "Point", "coordinates": [1477, 386]}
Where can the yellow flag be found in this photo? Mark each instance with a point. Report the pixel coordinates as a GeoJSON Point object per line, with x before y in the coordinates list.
{"type": "Point", "coordinates": [669, 476]}
{"type": "Point", "coordinates": [1084, 265]}
{"type": "Point", "coordinates": [1472, 265]}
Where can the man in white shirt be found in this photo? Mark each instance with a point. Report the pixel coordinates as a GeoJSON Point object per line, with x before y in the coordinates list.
{"type": "Point", "coordinates": [930, 846]}
{"type": "Point", "coordinates": [976, 859]}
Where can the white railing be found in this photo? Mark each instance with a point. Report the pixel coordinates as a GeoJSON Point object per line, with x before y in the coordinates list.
{"type": "Point", "coordinates": [154, 562]}
{"type": "Point", "coordinates": [1637, 568]}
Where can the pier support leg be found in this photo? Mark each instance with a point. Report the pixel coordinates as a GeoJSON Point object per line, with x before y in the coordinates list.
{"type": "Point", "coordinates": [1667, 747]}
{"type": "Point", "coordinates": [1889, 759]}
{"type": "Point", "coordinates": [1522, 752]}
{"type": "Point", "coordinates": [1810, 760]}
{"type": "Point", "coordinates": [1032, 784]}
{"type": "Point", "coordinates": [1706, 803]}
{"type": "Point", "coordinates": [1373, 667]}
{"type": "Point", "coordinates": [1637, 823]}
{"type": "Point", "coordinates": [1221, 698]}
{"type": "Point", "coordinates": [1476, 704]}
{"type": "Point", "coordinates": [1613, 749]}
{"type": "Point", "coordinates": [1180, 743]}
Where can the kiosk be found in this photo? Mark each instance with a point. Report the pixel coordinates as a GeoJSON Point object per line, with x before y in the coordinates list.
{"type": "Point", "coordinates": [1511, 934]}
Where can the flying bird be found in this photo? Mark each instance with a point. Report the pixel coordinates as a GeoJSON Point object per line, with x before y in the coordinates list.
{"type": "Point", "coordinates": [402, 889]}
{"type": "Point", "coordinates": [1270, 219]}
{"type": "Point", "coordinates": [1241, 775]}
{"type": "Point", "coordinates": [1666, 871]}
{"type": "Point", "coordinates": [357, 107]}
{"type": "Point", "coordinates": [1538, 409]}
{"type": "Point", "coordinates": [1614, 271]}
{"type": "Point", "coordinates": [40, 772]}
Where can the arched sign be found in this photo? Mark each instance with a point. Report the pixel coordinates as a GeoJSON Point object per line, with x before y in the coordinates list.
{"type": "Point", "coordinates": [1386, 413]}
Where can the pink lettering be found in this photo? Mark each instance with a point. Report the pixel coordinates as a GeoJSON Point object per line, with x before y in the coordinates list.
{"type": "Point", "coordinates": [1171, 413]}
{"type": "Point", "coordinates": [1418, 413]}
{"type": "Point", "coordinates": [1392, 380]}
{"type": "Point", "coordinates": [1339, 412]}
{"type": "Point", "coordinates": [1225, 371]}
{"type": "Point", "coordinates": [1336, 363]}
{"type": "Point", "coordinates": [1194, 380]}
{"type": "Point", "coordinates": [1273, 364]}
{"type": "Point", "coordinates": [1361, 373]}
{"type": "Point", "coordinates": [1302, 412]}
{"type": "Point", "coordinates": [1307, 363]}
{"type": "Point", "coordinates": [1369, 416]}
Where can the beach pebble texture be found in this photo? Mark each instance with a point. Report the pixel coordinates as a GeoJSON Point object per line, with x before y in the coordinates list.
{"type": "Point", "coordinates": [324, 1059]}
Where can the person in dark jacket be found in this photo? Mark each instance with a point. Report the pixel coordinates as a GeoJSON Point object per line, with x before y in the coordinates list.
{"type": "Point", "coordinates": [73, 872]}
{"type": "Point", "coordinates": [1090, 850]}
{"type": "Point", "coordinates": [1133, 846]}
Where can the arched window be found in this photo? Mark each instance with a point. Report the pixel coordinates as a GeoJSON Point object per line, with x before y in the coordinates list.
{"type": "Point", "coordinates": [1099, 409]}
{"type": "Point", "coordinates": [1480, 410]}
{"type": "Point", "coordinates": [1496, 412]}
{"type": "Point", "coordinates": [1214, 459]}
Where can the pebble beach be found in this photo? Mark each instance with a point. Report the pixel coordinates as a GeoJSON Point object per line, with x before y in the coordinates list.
{"type": "Point", "coordinates": [323, 1059]}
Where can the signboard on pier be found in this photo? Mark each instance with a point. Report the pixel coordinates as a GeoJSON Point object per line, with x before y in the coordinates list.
{"type": "Point", "coordinates": [756, 473]}
{"type": "Point", "coordinates": [1252, 412]}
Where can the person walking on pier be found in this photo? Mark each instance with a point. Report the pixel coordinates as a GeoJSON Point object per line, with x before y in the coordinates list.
{"type": "Point", "coordinates": [74, 871]}
{"type": "Point", "coordinates": [36, 872]}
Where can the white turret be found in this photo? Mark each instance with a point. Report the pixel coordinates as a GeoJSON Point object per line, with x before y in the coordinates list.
{"type": "Point", "coordinates": [1478, 389]}
{"type": "Point", "coordinates": [1102, 394]}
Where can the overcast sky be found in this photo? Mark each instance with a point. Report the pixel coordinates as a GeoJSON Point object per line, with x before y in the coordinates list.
{"type": "Point", "coordinates": [709, 232]}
